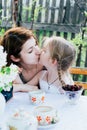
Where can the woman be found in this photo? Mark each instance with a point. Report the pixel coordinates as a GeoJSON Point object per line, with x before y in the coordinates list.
{"type": "Point", "coordinates": [22, 49]}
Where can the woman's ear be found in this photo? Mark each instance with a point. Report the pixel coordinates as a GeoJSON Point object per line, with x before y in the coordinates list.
{"type": "Point", "coordinates": [13, 58]}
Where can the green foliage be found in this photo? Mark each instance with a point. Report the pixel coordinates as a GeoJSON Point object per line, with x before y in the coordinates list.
{"type": "Point", "coordinates": [6, 70]}
{"type": "Point", "coordinates": [2, 31]}
{"type": "Point", "coordinates": [85, 93]}
{"type": "Point", "coordinates": [78, 40]}
{"type": "Point", "coordinates": [29, 9]}
{"type": "Point", "coordinates": [85, 12]}
{"type": "Point", "coordinates": [1, 89]}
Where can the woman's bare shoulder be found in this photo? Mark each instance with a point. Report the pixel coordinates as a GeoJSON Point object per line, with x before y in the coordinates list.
{"type": "Point", "coordinates": [17, 80]}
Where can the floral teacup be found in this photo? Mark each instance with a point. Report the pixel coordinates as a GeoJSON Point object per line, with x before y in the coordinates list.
{"type": "Point", "coordinates": [37, 97]}
{"type": "Point", "coordinates": [46, 115]}
{"type": "Point", "coordinates": [22, 120]}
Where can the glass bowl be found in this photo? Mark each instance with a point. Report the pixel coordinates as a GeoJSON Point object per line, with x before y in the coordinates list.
{"type": "Point", "coordinates": [73, 93]}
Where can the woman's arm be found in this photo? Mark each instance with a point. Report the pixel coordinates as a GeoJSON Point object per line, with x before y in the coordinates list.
{"type": "Point", "coordinates": [23, 87]}
{"type": "Point", "coordinates": [29, 86]}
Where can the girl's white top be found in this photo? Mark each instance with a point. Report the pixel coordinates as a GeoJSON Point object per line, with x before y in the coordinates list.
{"type": "Point", "coordinates": [52, 88]}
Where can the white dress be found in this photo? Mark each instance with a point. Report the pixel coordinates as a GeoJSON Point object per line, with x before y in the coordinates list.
{"type": "Point", "coordinates": [50, 88]}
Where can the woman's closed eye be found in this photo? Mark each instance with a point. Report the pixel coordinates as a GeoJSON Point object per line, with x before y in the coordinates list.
{"type": "Point", "coordinates": [32, 48]}
{"type": "Point", "coordinates": [30, 51]}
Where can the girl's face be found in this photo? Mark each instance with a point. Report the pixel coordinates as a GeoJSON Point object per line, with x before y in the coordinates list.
{"type": "Point", "coordinates": [45, 56]}
{"type": "Point", "coordinates": [30, 52]}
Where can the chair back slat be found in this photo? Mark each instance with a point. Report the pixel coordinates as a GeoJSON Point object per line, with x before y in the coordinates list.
{"type": "Point", "coordinates": [79, 71]}
{"type": "Point", "coordinates": [82, 71]}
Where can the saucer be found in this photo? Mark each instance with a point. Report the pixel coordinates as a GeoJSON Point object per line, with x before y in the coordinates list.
{"type": "Point", "coordinates": [47, 126]}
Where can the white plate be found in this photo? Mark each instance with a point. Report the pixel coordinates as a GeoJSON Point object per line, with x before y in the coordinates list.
{"type": "Point", "coordinates": [47, 126]}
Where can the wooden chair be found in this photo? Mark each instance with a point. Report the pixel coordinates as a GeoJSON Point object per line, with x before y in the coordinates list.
{"type": "Point", "coordinates": [79, 71]}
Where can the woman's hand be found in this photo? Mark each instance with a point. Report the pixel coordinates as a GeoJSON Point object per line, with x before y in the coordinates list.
{"type": "Point", "coordinates": [24, 88]}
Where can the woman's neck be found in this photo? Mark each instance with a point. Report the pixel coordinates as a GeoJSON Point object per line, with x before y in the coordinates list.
{"type": "Point", "coordinates": [29, 72]}
{"type": "Point", "coordinates": [28, 68]}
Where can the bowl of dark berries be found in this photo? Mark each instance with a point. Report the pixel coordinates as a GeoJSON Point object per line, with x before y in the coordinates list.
{"type": "Point", "coordinates": [72, 93]}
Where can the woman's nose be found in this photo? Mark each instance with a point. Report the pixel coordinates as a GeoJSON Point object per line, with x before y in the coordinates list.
{"type": "Point", "coordinates": [37, 50]}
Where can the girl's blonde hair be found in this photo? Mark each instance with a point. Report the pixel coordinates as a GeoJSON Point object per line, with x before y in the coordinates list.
{"type": "Point", "coordinates": [63, 51]}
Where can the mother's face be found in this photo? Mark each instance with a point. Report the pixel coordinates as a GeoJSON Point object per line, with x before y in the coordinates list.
{"type": "Point", "coordinates": [30, 52]}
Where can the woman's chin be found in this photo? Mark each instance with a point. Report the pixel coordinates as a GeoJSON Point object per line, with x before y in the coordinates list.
{"type": "Point", "coordinates": [40, 63]}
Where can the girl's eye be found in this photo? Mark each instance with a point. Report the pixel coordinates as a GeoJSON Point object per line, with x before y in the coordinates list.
{"type": "Point", "coordinates": [36, 44]}
{"type": "Point", "coordinates": [44, 51]}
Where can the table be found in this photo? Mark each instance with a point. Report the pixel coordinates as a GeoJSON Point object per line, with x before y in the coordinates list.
{"type": "Point", "coordinates": [71, 117]}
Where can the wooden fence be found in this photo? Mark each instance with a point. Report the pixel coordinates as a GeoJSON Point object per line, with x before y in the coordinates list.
{"type": "Point", "coordinates": [47, 17]}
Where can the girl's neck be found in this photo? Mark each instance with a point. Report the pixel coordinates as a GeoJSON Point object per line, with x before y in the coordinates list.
{"type": "Point", "coordinates": [52, 74]}
{"type": "Point", "coordinates": [52, 71]}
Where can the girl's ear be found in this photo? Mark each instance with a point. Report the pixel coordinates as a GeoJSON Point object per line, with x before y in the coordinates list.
{"type": "Point", "coordinates": [13, 58]}
{"type": "Point", "coordinates": [54, 61]}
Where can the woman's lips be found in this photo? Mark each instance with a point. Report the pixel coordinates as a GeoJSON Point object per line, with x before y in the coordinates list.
{"type": "Point", "coordinates": [39, 58]}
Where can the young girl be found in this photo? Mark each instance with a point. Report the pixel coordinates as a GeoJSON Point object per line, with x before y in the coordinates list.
{"type": "Point", "coordinates": [57, 56]}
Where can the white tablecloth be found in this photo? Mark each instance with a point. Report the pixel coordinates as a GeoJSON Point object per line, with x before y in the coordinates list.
{"type": "Point", "coordinates": [71, 117]}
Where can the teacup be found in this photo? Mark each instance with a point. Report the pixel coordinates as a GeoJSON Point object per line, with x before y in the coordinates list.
{"type": "Point", "coordinates": [22, 120]}
{"type": "Point", "coordinates": [46, 115]}
{"type": "Point", "coordinates": [37, 97]}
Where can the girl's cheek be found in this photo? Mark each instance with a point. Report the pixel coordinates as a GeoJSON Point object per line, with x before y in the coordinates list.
{"type": "Point", "coordinates": [41, 55]}
{"type": "Point", "coordinates": [41, 50]}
